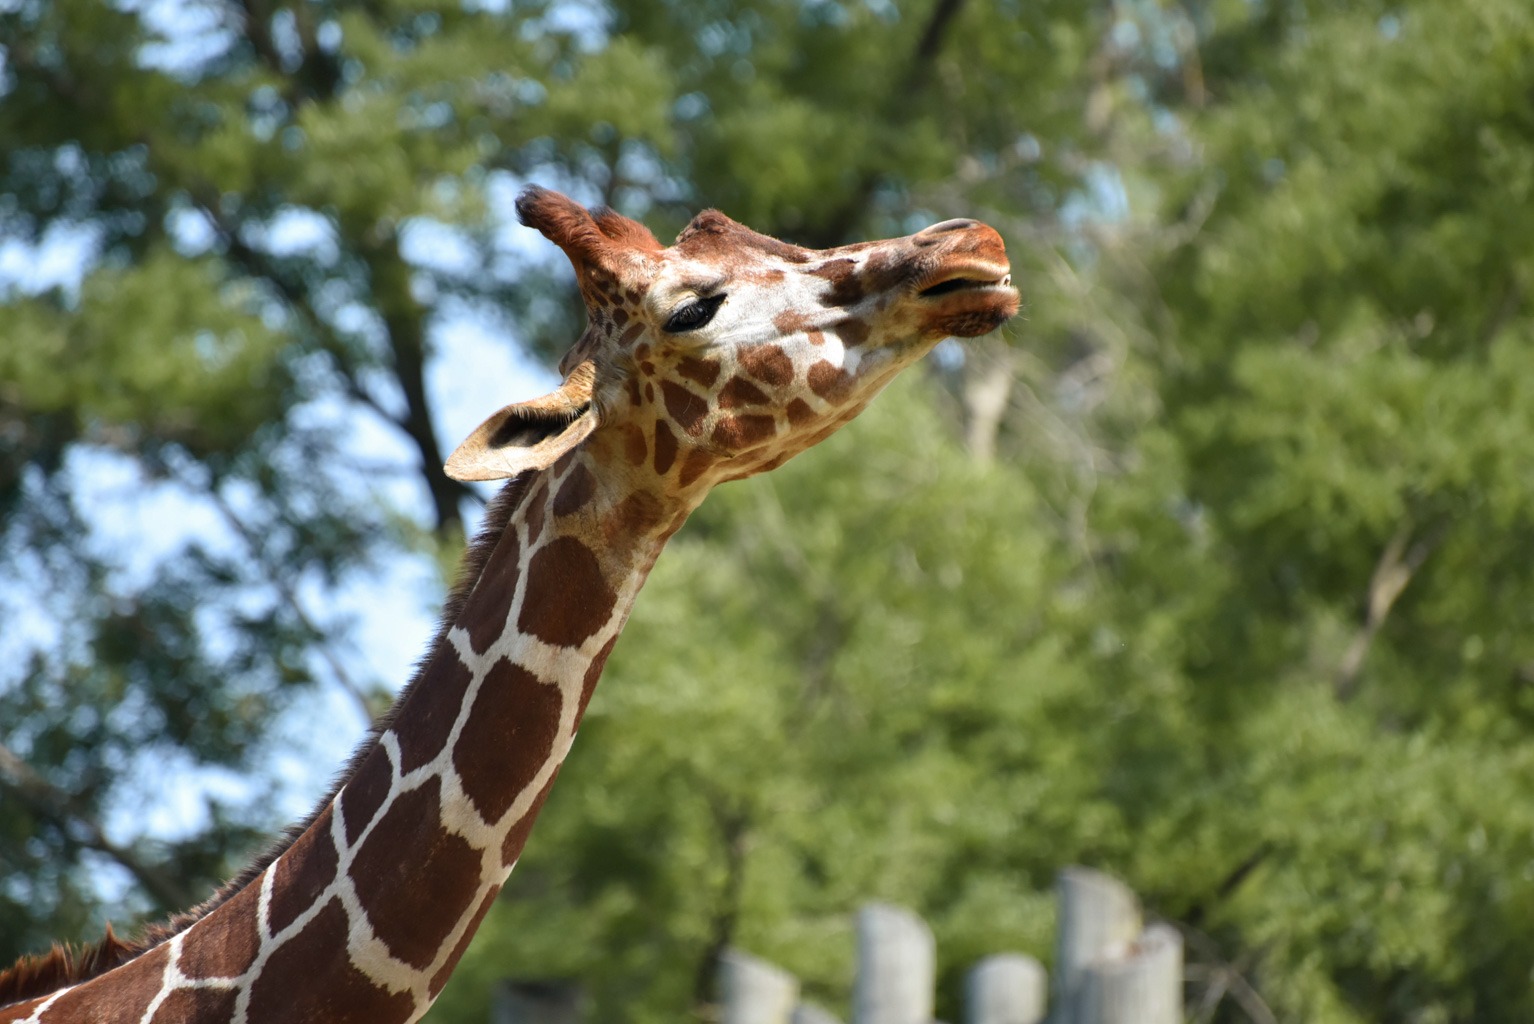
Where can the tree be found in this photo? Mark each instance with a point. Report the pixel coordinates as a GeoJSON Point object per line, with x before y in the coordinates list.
{"type": "Point", "coordinates": [1343, 361]}
{"type": "Point", "coordinates": [1210, 573]}
{"type": "Point", "coordinates": [1278, 484]}
{"type": "Point", "coordinates": [282, 206]}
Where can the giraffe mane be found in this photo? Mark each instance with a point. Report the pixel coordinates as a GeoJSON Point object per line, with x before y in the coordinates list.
{"type": "Point", "coordinates": [67, 964]}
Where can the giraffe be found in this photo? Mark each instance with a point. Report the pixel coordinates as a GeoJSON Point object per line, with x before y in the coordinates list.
{"type": "Point", "coordinates": [716, 358]}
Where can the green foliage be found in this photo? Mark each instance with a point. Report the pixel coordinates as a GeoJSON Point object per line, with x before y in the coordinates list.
{"type": "Point", "coordinates": [248, 179]}
{"type": "Point", "coordinates": [1240, 611]}
{"type": "Point", "coordinates": [840, 726]}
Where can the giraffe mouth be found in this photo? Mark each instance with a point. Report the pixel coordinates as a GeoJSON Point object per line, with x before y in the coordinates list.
{"type": "Point", "coordinates": [967, 299]}
{"type": "Point", "coordinates": [967, 279]}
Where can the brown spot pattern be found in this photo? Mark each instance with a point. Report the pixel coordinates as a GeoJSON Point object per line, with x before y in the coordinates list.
{"type": "Point", "coordinates": [191, 1004]}
{"type": "Point", "coordinates": [829, 381]}
{"type": "Point", "coordinates": [19, 1011]}
{"type": "Point", "coordinates": [229, 951]}
{"type": "Point", "coordinates": [736, 432]}
{"type": "Point", "coordinates": [791, 321]}
{"type": "Point", "coordinates": [576, 491]}
{"type": "Point", "coordinates": [302, 873]}
{"type": "Point", "coordinates": [536, 498]}
{"type": "Point", "coordinates": [365, 793]}
{"type": "Point", "coordinates": [515, 717]}
{"type": "Point", "coordinates": [852, 331]}
{"type": "Point", "coordinates": [740, 391]}
{"type": "Point", "coordinates": [693, 467]}
{"type": "Point", "coordinates": [769, 364]}
{"type": "Point", "coordinates": [634, 516]}
{"type": "Point", "coordinates": [567, 597]}
{"type": "Point", "coordinates": [507, 738]}
{"type": "Point", "coordinates": [634, 447]}
{"type": "Point", "coordinates": [492, 596]}
{"type": "Point", "coordinates": [822, 434]}
{"type": "Point", "coordinates": [686, 408]}
{"type": "Point", "coordinates": [423, 732]}
{"type": "Point", "coordinates": [741, 469]}
{"type": "Point", "coordinates": [713, 235]}
{"type": "Point", "coordinates": [516, 837]}
{"type": "Point", "coordinates": [461, 946]}
{"type": "Point", "coordinates": [665, 447]}
{"type": "Point", "coordinates": [700, 371]}
{"type": "Point", "coordinates": [846, 287]}
{"type": "Point", "coordinates": [799, 411]}
{"type": "Point", "coordinates": [126, 997]}
{"type": "Point", "coordinates": [884, 269]}
{"type": "Point", "coordinates": [593, 674]}
{"type": "Point", "coordinates": [334, 991]}
{"type": "Point", "coordinates": [414, 878]}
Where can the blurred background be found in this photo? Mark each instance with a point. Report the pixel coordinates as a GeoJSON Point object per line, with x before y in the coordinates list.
{"type": "Point", "coordinates": [1211, 570]}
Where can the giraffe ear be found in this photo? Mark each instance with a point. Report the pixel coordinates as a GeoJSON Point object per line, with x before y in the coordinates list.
{"type": "Point", "coordinates": [528, 435]}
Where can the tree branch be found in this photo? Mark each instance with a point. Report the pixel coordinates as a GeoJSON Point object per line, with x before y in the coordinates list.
{"type": "Point", "coordinates": [58, 806]}
{"type": "Point", "coordinates": [988, 379]}
{"type": "Point", "coordinates": [1222, 978]}
{"type": "Point", "coordinates": [258, 265]}
{"type": "Point", "coordinates": [255, 22]}
{"type": "Point", "coordinates": [317, 74]}
{"type": "Point", "coordinates": [839, 224]}
{"type": "Point", "coordinates": [1194, 916]}
{"type": "Point", "coordinates": [1397, 564]}
{"type": "Point", "coordinates": [734, 831]}
{"type": "Point", "coordinates": [405, 325]}
{"type": "Point", "coordinates": [368, 707]}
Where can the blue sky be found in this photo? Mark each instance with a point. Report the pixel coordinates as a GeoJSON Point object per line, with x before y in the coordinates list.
{"type": "Point", "coordinates": [390, 610]}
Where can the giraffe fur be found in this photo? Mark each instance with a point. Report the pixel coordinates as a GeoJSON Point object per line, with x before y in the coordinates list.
{"type": "Point", "coordinates": [714, 359]}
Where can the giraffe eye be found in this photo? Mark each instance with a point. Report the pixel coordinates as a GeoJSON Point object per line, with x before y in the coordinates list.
{"type": "Point", "coordinates": [694, 315]}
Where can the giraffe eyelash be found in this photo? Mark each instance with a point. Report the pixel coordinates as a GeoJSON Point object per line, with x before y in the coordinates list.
{"type": "Point", "coordinates": [694, 315]}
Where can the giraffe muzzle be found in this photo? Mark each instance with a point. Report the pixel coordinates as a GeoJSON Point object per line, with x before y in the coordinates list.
{"type": "Point", "coordinates": [968, 279]}
{"type": "Point", "coordinates": [966, 291]}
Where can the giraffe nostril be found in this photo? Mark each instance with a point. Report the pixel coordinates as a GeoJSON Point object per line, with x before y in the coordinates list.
{"type": "Point", "coordinates": [932, 235]}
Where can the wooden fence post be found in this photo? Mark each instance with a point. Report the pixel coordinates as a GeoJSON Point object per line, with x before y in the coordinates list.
{"type": "Point", "coordinates": [1099, 919]}
{"type": "Point", "coordinates": [753, 991]}
{"type": "Point", "coordinates": [1007, 988]}
{"type": "Point", "coordinates": [896, 967]}
{"type": "Point", "coordinates": [1107, 971]}
{"type": "Point", "coordinates": [809, 1013]}
{"type": "Point", "coordinates": [1145, 987]}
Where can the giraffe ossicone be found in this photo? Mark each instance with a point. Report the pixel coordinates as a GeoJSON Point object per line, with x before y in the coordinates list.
{"type": "Point", "coordinates": [716, 358]}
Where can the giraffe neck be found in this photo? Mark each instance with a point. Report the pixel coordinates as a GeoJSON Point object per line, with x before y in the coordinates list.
{"type": "Point", "coordinates": [364, 915]}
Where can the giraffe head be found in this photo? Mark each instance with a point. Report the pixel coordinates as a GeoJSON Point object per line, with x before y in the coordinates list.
{"type": "Point", "coordinates": [729, 352]}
